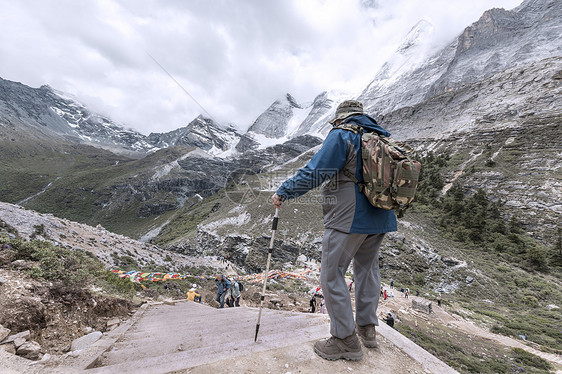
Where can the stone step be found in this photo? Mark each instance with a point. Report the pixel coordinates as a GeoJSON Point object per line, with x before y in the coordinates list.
{"type": "Point", "coordinates": [205, 334]}
{"type": "Point", "coordinates": [180, 318]}
{"type": "Point", "coordinates": [203, 348]}
{"type": "Point", "coordinates": [196, 338]}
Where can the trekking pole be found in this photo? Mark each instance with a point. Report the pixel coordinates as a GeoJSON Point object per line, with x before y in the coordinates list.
{"type": "Point", "coordinates": [273, 229]}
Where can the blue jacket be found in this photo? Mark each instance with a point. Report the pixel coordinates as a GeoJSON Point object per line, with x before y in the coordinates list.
{"type": "Point", "coordinates": [222, 286]}
{"type": "Point", "coordinates": [345, 208]}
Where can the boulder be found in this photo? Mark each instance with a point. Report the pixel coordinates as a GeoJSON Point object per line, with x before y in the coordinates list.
{"type": "Point", "coordinates": [11, 338]}
{"type": "Point", "coordinates": [30, 350]}
{"type": "Point", "coordinates": [422, 305]}
{"type": "Point", "coordinates": [85, 341]}
{"type": "Point", "coordinates": [4, 332]}
{"type": "Point", "coordinates": [19, 342]}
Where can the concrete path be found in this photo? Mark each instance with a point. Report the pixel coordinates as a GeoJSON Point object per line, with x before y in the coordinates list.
{"type": "Point", "coordinates": [192, 338]}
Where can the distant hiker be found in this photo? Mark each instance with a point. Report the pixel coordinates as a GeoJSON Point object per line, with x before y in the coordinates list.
{"type": "Point", "coordinates": [354, 230]}
{"type": "Point", "coordinates": [439, 300]}
{"type": "Point", "coordinates": [418, 293]}
{"type": "Point", "coordinates": [407, 293]}
{"type": "Point", "coordinates": [322, 305]}
{"type": "Point", "coordinates": [193, 295]}
{"type": "Point", "coordinates": [391, 284]}
{"type": "Point", "coordinates": [235, 294]}
{"type": "Point", "coordinates": [389, 319]}
{"type": "Point", "coordinates": [313, 304]}
{"type": "Point", "coordinates": [350, 285]}
{"type": "Point", "coordinates": [381, 292]}
{"type": "Point", "coordinates": [223, 285]}
{"type": "Point", "coordinates": [385, 295]}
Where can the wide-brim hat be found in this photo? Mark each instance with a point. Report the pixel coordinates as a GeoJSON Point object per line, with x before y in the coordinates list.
{"type": "Point", "coordinates": [347, 109]}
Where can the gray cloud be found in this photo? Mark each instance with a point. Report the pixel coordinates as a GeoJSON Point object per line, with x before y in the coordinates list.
{"type": "Point", "coordinates": [234, 57]}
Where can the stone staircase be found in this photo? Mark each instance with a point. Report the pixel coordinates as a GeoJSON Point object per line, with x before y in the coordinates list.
{"type": "Point", "coordinates": [187, 337]}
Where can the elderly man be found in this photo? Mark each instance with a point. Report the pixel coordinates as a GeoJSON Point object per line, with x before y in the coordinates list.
{"type": "Point", "coordinates": [354, 230]}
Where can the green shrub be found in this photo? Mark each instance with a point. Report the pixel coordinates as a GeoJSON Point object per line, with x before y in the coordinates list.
{"type": "Point", "coordinates": [419, 279]}
{"type": "Point", "coordinates": [56, 263]}
{"type": "Point", "coordinates": [113, 282]}
{"type": "Point", "coordinates": [523, 357]}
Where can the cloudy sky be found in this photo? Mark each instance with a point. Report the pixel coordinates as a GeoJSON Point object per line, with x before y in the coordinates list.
{"type": "Point", "coordinates": [134, 60]}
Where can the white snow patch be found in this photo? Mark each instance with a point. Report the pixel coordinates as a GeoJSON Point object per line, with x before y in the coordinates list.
{"type": "Point", "coordinates": [162, 171]}
{"type": "Point", "coordinates": [61, 114]}
{"type": "Point", "coordinates": [265, 142]}
{"type": "Point", "coordinates": [299, 115]}
{"type": "Point", "coordinates": [238, 220]}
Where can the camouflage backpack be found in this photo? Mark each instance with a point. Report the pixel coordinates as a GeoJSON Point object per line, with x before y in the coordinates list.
{"type": "Point", "coordinates": [390, 175]}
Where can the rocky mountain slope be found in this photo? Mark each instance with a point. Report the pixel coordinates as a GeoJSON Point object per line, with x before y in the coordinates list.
{"type": "Point", "coordinates": [430, 97]}
{"type": "Point", "coordinates": [45, 113]}
{"type": "Point", "coordinates": [498, 41]}
{"type": "Point", "coordinates": [484, 113]}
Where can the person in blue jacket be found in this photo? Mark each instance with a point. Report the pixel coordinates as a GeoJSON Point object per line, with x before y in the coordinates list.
{"type": "Point", "coordinates": [354, 230]}
{"type": "Point", "coordinates": [223, 285]}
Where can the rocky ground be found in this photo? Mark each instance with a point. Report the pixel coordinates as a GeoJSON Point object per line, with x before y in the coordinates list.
{"type": "Point", "coordinates": [105, 245]}
{"type": "Point", "coordinates": [43, 320]}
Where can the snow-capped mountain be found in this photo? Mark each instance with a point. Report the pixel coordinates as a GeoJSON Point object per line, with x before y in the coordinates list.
{"type": "Point", "coordinates": [286, 119]}
{"type": "Point", "coordinates": [498, 41]}
{"type": "Point", "coordinates": [389, 89]}
{"type": "Point", "coordinates": [276, 120]}
{"type": "Point", "coordinates": [47, 113]}
{"type": "Point", "coordinates": [203, 133]}
{"type": "Point", "coordinates": [503, 39]}
{"type": "Point", "coordinates": [420, 71]}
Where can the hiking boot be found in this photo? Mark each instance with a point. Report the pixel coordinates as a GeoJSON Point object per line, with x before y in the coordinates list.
{"type": "Point", "coordinates": [335, 348]}
{"type": "Point", "coordinates": [368, 335]}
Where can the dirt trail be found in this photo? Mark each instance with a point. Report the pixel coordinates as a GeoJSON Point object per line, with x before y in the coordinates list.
{"type": "Point", "coordinates": [441, 315]}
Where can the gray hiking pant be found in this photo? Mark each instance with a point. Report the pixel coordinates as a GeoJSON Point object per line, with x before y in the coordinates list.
{"type": "Point", "coordinates": [338, 249]}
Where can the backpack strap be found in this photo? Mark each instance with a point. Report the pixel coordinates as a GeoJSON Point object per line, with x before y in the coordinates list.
{"type": "Point", "coordinates": [356, 129]}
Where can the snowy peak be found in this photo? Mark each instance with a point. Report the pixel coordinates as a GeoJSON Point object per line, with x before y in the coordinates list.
{"type": "Point", "coordinates": [94, 128]}
{"type": "Point", "coordinates": [274, 122]}
{"type": "Point", "coordinates": [287, 119]}
{"type": "Point", "coordinates": [499, 40]}
{"type": "Point", "coordinates": [46, 113]}
{"type": "Point", "coordinates": [316, 116]}
{"type": "Point", "coordinates": [416, 36]}
{"type": "Point", "coordinates": [410, 54]}
{"type": "Point", "coordinates": [202, 132]}
{"type": "Point", "coordinates": [382, 95]}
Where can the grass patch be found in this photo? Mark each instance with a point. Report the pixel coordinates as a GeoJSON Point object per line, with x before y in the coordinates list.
{"type": "Point", "coordinates": [471, 355]}
{"type": "Point", "coordinates": [55, 263]}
